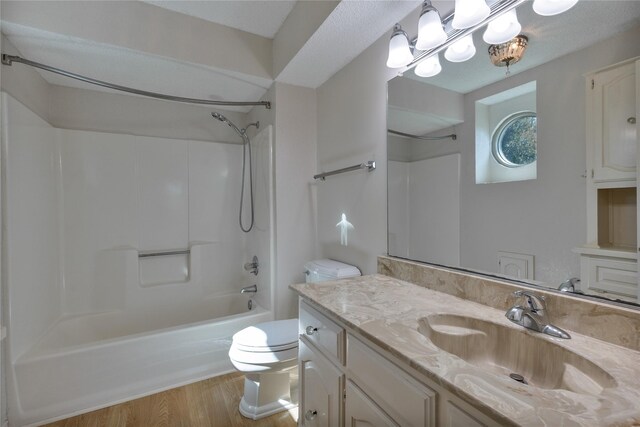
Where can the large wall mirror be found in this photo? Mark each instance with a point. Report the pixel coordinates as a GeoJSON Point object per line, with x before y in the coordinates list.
{"type": "Point", "coordinates": [512, 195]}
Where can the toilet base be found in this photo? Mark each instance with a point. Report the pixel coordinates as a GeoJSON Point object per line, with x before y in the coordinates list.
{"type": "Point", "coordinates": [266, 394]}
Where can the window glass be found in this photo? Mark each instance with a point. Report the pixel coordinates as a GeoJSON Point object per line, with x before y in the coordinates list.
{"type": "Point", "coordinates": [515, 140]}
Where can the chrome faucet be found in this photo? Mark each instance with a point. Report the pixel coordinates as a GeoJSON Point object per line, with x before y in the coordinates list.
{"type": "Point", "coordinates": [570, 285]}
{"type": "Point", "coordinates": [534, 315]}
{"type": "Point", "coordinates": [246, 289]}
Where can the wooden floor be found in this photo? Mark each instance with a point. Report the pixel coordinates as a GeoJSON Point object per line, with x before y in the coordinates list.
{"type": "Point", "coordinates": [208, 403]}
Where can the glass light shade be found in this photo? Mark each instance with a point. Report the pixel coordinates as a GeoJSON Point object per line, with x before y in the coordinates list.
{"type": "Point", "coordinates": [430, 31]}
{"type": "Point", "coordinates": [429, 67]}
{"type": "Point", "coordinates": [461, 50]}
{"type": "Point", "coordinates": [552, 7]}
{"type": "Point", "coordinates": [399, 52]}
{"type": "Point", "coordinates": [503, 28]}
{"type": "Point", "coordinates": [469, 13]}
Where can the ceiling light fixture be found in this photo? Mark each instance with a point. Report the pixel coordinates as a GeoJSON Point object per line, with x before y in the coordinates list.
{"type": "Point", "coordinates": [399, 51]}
{"type": "Point", "coordinates": [507, 54]}
{"type": "Point", "coordinates": [552, 7]}
{"type": "Point", "coordinates": [503, 28]}
{"type": "Point", "coordinates": [469, 15]}
{"type": "Point", "coordinates": [429, 67]}
{"type": "Point", "coordinates": [430, 29]}
{"type": "Point", "coordinates": [462, 50]}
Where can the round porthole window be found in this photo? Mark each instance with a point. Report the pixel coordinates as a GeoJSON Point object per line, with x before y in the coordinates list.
{"type": "Point", "coordinates": [514, 141]}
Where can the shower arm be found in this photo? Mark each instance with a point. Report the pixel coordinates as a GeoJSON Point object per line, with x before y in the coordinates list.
{"type": "Point", "coordinates": [10, 59]}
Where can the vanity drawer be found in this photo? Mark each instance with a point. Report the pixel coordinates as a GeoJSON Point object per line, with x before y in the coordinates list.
{"type": "Point", "coordinates": [322, 332]}
{"type": "Point", "coordinates": [407, 401]}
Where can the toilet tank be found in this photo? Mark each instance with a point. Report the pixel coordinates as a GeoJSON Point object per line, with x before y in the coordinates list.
{"type": "Point", "coordinates": [321, 270]}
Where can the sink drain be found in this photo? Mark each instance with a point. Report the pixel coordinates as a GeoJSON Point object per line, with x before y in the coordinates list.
{"type": "Point", "coordinates": [518, 378]}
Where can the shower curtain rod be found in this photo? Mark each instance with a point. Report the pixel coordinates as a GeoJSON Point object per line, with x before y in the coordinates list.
{"type": "Point", "coordinates": [453, 136]}
{"type": "Point", "coordinates": [9, 59]}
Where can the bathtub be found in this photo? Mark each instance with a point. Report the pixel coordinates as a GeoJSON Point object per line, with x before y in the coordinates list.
{"type": "Point", "coordinates": [85, 362]}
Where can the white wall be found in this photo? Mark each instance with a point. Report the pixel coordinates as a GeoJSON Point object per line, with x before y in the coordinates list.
{"type": "Point", "coordinates": [293, 116]}
{"type": "Point", "coordinates": [434, 228]}
{"type": "Point", "coordinates": [295, 160]}
{"type": "Point", "coordinates": [418, 227]}
{"type": "Point", "coordinates": [33, 241]}
{"type": "Point", "coordinates": [398, 195]}
{"type": "Point", "coordinates": [544, 217]}
{"type": "Point", "coordinates": [352, 111]}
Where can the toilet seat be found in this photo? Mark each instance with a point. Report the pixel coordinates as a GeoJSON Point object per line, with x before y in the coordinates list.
{"type": "Point", "coordinates": [276, 335]}
{"type": "Point", "coordinates": [266, 343]}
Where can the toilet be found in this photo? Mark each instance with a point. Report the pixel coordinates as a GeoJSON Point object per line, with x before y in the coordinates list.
{"type": "Point", "coordinates": [267, 352]}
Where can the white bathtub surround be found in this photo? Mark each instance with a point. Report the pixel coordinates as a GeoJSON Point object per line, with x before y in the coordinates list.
{"type": "Point", "coordinates": [90, 322]}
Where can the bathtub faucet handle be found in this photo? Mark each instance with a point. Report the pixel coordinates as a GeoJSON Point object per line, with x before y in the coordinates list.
{"type": "Point", "coordinates": [252, 267]}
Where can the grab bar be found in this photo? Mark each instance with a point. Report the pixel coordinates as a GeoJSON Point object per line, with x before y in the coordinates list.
{"type": "Point", "coordinates": [149, 254]}
{"type": "Point", "coordinates": [370, 165]}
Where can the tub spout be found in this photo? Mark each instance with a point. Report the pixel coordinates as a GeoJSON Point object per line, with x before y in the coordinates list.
{"type": "Point", "coordinates": [252, 288]}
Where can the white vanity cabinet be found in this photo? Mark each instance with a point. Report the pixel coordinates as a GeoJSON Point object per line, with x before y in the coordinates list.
{"type": "Point", "coordinates": [320, 359]}
{"type": "Point", "coordinates": [321, 385]}
{"type": "Point", "coordinates": [608, 260]}
{"type": "Point", "coordinates": [345, 380]}
{"type": "Point", "coordinates": [611, 117]}
{"type": "Point", "coordinates": [362, 411]}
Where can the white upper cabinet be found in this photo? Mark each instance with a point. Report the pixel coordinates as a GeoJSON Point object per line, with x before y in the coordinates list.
{"type": "Point", "coordinates": [611, 123]}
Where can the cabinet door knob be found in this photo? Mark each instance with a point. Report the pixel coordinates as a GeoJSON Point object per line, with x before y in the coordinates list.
{"type": "Point", "coordinates": [311, 330]}
{"type": "Point", "coordinates": [631, 120]}
{"type": "Point", "coordinates": [309, 415]}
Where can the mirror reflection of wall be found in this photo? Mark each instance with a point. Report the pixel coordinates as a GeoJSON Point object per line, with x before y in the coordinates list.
{"type": "Point", "coordinates": [481, 201]}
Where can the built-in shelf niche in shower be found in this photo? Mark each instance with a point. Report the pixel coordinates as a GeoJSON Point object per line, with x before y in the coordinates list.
{"type": "Point", "coordinates": [163, 269]}
{"type": "Point", "coordinates": [617, 224]}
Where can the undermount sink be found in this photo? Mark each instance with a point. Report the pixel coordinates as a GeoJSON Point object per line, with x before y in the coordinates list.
{"type": "Point", "coordinates": [506, 351]}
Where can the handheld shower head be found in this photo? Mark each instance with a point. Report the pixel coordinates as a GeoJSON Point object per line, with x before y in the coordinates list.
{"type": "Point", "coordinates": [219, 116]}
{"type": "Point", "coordinates": [223, 119]}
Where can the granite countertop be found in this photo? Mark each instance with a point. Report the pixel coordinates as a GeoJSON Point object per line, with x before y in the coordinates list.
{"type": "Point", "coordinates": [387, 311]}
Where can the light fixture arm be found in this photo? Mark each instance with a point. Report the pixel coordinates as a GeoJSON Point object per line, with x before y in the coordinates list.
{"type": "Point", "coordinates": [453, 35]}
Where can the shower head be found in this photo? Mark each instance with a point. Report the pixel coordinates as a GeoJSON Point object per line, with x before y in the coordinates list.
{"type": "Point", "coordinates": [219, 116]}
{"type": "Point", "coordinates": [223, 119]}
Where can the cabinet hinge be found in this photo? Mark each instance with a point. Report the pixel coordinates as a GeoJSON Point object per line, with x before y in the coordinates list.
{"type": "Point", "coordinates": [593, 83]}
{"type": "Point", "coordinates": [592, 173]}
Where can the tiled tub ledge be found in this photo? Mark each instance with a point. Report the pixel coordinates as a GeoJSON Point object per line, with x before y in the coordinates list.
{"type": "Point", "coordinates": [387, 312]}
{"type": "Point", "coordinates": [608, 322]}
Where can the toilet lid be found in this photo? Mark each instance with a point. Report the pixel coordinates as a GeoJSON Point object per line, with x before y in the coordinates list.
{"type": "Point", "coordinates": [275, 336]}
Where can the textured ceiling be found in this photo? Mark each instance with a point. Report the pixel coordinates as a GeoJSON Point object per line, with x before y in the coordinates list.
{"type": "Point", "coordinates": [263, 18]}
{"type": "Point", "coordinates": [348, 31]}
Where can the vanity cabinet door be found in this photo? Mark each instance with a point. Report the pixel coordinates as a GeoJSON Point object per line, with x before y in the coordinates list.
{"type": "Point", "coordinates": [611, 113]}
{"type": "Point", "coordinates": [360, 411]}
{"type": "Point", "coordinates": [321, 386]}
{"type": "Point", "coordinates": [456, 417]}
{"type": "Point", "coordinates": [408, 402]}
